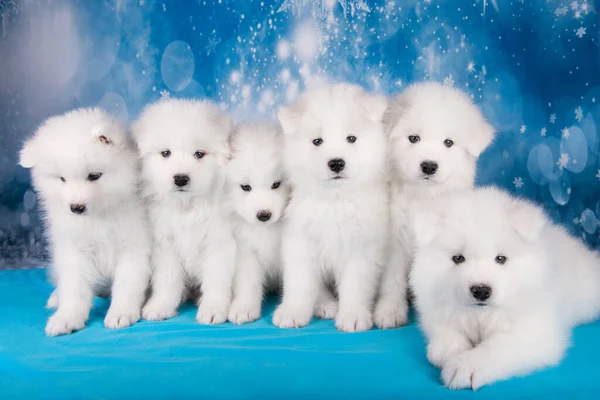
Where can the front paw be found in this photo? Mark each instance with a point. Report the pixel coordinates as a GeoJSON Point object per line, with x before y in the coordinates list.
{"type": "Point", "coordinates": [117, 319]}
{"type": "Point", "coordinates": [389, 316]}
{"type": "Point", "coordinates": [241, 313]}
{"type": "Point", "coordinates": [326, 309]}
{"type": "Point", "coordinates": [211, 313]}
{"type": "Point", "coordinates": [52, 302]}
{"type": "Point", "coordinates": [354, 321]}
{"type": "Point", "coordinates": [464, 371]}
{"type": "Point", "coordinates": [64, 324]}
{"type": "Point", "coordinates": [439, 351]}
{"type": "Point", "coordinates": [153, 311]}
{"type": "Point", "coordinates": [288, 316]}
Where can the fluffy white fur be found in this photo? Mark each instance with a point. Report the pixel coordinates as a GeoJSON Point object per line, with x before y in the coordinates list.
{"type": "Point", "coordinates": [193, 241]}
{"type": "Point", "coordinates": [336, 223]}
{"type": "Point", "coordinates": [257, 167]}
{"type": "Point", "coordinates": [549, 282]}
{"type": "Point", "coordinates": [107, 242]}
{"type": "Point", "coordinates": [433, 113]}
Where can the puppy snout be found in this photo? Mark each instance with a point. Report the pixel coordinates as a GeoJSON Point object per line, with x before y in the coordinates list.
{"type": "Point", "coordinates": [263, 216]}
{"type": "Point", "coordinates": [181, 180]}
{"type": "Point", "coordinates": [77, 208]}
{"type": "Point", "coordinates": [429, 167]}
{"type": "Point", "coordinates": [481, 292]}
{"type": "Point", "coordinates": [336, 165]}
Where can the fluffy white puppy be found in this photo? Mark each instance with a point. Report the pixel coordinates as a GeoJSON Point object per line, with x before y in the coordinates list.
{"type": "Point", "coordinates": [337, 221]}
{"type": "Point", "coordinates": [257, 195]}
{"type": "Point", "coordinates": [436, 135]}
{"type": "Point", "coordinates": [85, 173]}
{"type": "Point", "coordinates": [498, 287]}
{"type": "Point", "coordinates": [184, 146]}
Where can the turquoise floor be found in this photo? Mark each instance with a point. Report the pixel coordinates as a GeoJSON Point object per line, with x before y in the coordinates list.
{"type": "Point", "coordinates": [181, 359]}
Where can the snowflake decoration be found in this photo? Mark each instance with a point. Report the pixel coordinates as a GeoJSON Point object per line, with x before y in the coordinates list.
{"type": "Point", "coordinates": [565, 133]}
{"type": "Point", "coordinates": [295, 6]}
{"type": "Point", "coordinates": [518, 182]}
{"type": "Point", "coordinates": [576, 221]}
{"type": "Point", "coordinates": [579, 114]}
{"type": "Point", "coordinates": [574, 5]}
{"type": "Point", "coordinates": [523, 128]}
{"type": "Point", "coordinates": [585, 7]}
{"type": "Point", "coordinates": [580, 32]}
{"type": "Point", "coordinates": [449, 80]}
{"type": "Point", "coordinates": [563, 161]}
{"type": "Point", "coordinates": [470, 67]}
{"type": "Point", "coordinates": [559, 12]}
{"type": "Point", "coordinates": [543, 131]}
{"type": "Point", "coordinates": [213, 41]}
{"type": "Point", "coordinates": [164, 94]}
{"type": "Point", "coordinates": [552, 118]}
{"type": "Point", "coordinates": [569, 191]}
{"type": "Point", "coordinates": [577, 15]}
{"type": "Point", "coordinates": [353, 5]}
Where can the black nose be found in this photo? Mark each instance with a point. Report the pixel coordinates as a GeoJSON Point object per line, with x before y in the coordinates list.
{"type": "Point", "coordinates": [181, 180]}
{"type": "Point", "coordinates": [264, 216]}
{"type": "Point", "coordinates": [481, 292]}
{"type": "Point", "coordinates": [77, 208]}
{"type": "Point", "coordinates": [429, 167]}
{"type": "Point", "coordinates": [336, 165]}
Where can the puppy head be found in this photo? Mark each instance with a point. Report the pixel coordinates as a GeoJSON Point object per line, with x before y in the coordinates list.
{"type": "Point", "coordinates": [479, 249]}
{"type": "Point", "coordinates": [437, 134]}
{"type": "Point", "coordinates": [82, 163]}
{"type": "Point", "coordinates": [257, 187]}
{"type": "Point", "coordinates": [334, 136]}
{"type": "Point", "coordinates": [183, 145]}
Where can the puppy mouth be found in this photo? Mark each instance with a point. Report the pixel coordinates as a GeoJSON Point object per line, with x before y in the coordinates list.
{"type": "Point", "coordinates": [337, 178]}
{"type": "Point", "coordinates": [481, 304]}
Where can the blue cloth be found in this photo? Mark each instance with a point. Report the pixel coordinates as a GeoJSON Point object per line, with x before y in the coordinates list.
{"type": "Point", "coordinates": [181, 359]}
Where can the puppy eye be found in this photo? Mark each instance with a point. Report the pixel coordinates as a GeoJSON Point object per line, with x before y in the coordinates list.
{"type": "Point", "coordinates": [351, 139]}
{"type": "Point", "coordinates": [500, 259]}
{"type": "Point", "coordinates": [414, 138]}
{"type": "Point", "coordinates": [276, 185]}
{"type": "Point", "coordinates": [449, 143]}
{"type": "Point", "coordinates": [458, 259]}
{"type": "Point", "coordinates": [318, 142]}
{"type": "Point", "coordinates": [63, 179]}
{"type": "Point", "coordinates": [199, 154]}
{"type": "Point", "coordinates": [94, 176]}
{"type": "Point", "coordinates": [165, 153]}
{"type": "Point", "coordinates": [246, 188]}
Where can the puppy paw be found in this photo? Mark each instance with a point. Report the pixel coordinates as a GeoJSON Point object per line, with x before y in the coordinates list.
{"type": "Point", "coordinates": [354, 321]}
{"type": "Point", "coordinates": [287, 316]}
{"type": "Point", "coordinates": [439, 351]}
{"type": "Point", "coordinates": [241, 313]}
{"type": "Point", "coordinates": [389, 316]}
{"type": "Point", "coordinates": [211, 313]}
{"type": "Point", "coordinates": [117, 319]}
{"type": "Point", "coordinates": [157, 312]}
{"type": "Point", "coordinates": [63, 325]}
{"type": "Point", "coordinates": [463, 371]}
{"type": "Point", "coordinates": [326, 309]}
{"type": "Point", "coordinates": [52, 302]}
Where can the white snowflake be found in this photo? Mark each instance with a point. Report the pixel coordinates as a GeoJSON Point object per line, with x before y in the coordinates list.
{"type": "Point", "coordinates": [295, 6]}
{"type": "Point", "coordinates": [563, 161]}
{"type": "Point", "coordinates": [353, 6]}
{"type": "Point", "coordinates": [471, 66]}
{"type": "Point", "coordinates": [585, 7]}
{"type": "Point", "coordinates": [164, 94]}
{"type": "Point", "coordinates": [574, 5]}
{"type": "Point", "coordinates": [565, 133]}
{"type": "Point", "coordinates": [580, 32]}
{"type": "Point", "coordinates": [561, 11]}
{"type": "Point", "coordinates": [449, 80]}
{"type": "Point", "coordinates": [579, 114]}
{"type": "Point", "coordinates": [523, 128]}
{"type": "Point", "coordinates": [552, 118]}
{"type": "Point", "coordinates": [518, 182]}
{"type": "Point", "coordinates": [213, 42]}
{"type": "Point", "coordinates": [577, 15]}
{"type": "Point", "coordinates": [576, 221]}
{"type": "Point", "coordinates": [569, 191]}
{"type": "Point", "coordinates": [543, 131]}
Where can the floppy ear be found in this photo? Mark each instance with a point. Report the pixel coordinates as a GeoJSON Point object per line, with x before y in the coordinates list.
{"type": "Point", "coordinates": [426, 225]}
{"type": "Point", "coordinates": [396, 109]}
{"type": "Point", "coordinates": [289, 118]}
{"type": "Point", "coordinates": [527, 219]}
{"type": "Point", "coordinates": [482, 137]}
{"type": "Point", "coordinates": [375, 105]}
{"type": "Point", "coordinates": [27, 155]}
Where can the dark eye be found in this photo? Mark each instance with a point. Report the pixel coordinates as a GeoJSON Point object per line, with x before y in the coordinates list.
{"type": "Point", "coordinates": [458, 259]}
{"type": "Point", "coordinates": [414, 138]}
{"type": "Point", "coordinates": [165, 153]}
{"type": "Point", "coordinates": [449, 143]}
{"type": "Point", "coordinates": [246, 188]}
{"type": "Point", "coordinates": [94, 176]}
{"type": "Point", "coordinates": [199, 154]}
{"type": "Point", "coordinates": [500, 259]}
{"type": "Point", "coordinates": [63, 179]}
{"type": "Point", "coordinates": [351, 139]}
{"type": "Point", "coordinates": [276, 185]}
{"type": "Point", "coordinates": [318, 142]}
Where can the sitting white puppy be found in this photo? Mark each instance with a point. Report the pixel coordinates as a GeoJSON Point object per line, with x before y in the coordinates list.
{"type": "Point", "coordinates": [184, 146]}
{"type": "Point", "coordinates": [85, 172]}
{"type": "Point", "coordinates": [337, 221]}
{"type": "Point", "coordinates": [436, 135]}
{"type": "Point", "coordinates": [498, 287]}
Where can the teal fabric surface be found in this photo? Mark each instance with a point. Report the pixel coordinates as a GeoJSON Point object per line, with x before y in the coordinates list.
{"type": "Point", "coordinates": [181, 359]}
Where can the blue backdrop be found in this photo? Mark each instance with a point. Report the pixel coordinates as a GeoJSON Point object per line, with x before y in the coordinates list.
{"type": "Point", "coordinates": [532, 65]}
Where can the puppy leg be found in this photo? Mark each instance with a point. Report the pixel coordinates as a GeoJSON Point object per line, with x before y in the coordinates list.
{"type": "Point", "coordinates": [52, 302]}
{"type": "Point", "coordinates": [168, 284]}
{"type": "Point", "coordinates": [247, 289]}
{"type": "Point", "coordinates": [445, 342]}
{"type": "Point", "coordinates": [326, 307]}
{"type": "Point", "coordinates": [391, 310]}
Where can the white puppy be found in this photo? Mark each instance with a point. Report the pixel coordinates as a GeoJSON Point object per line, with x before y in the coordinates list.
{"type": "Point", "coordinates": [498, 287]}
{"type": "Point", "coordinates": [184, 146]}
{"type": "Point", "coordinates": [436, 135]}
{"type": "Point", "coordinates": [85, 172]}
{"type": "Point", "coordinates": [257, 196]}
{"type": "Point", "coordinates": [337, 221]}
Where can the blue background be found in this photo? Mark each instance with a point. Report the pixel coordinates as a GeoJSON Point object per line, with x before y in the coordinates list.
{"type": "Point", "coordinates": [532, 65]}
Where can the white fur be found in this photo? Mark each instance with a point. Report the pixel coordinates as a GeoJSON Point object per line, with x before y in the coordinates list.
{"type": "Point", "coordinates": [109, 241]}
{"type": "Point", "coordinates": [193, 240]}
{"type": "Point", "coordinates": [334, 228]}
{"type": "Point", "coordinates": [434, 113]}
{"type": "Point", "coordinates": [549, 283]}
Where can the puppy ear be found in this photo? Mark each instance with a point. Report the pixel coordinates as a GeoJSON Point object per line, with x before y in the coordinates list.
{"type": "Point", "coordinates": [481, 138]}
{"type": "Point", "coordinates": [109, 134]}
{"type": "Point", "coordinates": [27, 155]}
{"type": "Point", "coordinates": [426, 225]}
{"type": "Point", "coordinates": [527, 219]}
{"type": "Point", "coordinates": [396, 109]}
{"type": "Point", "coordinates": [289, 118]}
{"type": "Point", "coordinates": [376, 106]}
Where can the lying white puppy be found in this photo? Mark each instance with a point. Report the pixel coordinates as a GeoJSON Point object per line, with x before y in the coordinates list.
{"type": "Point", "coordinates": [498, 287]}
{"type": "Point", "coordinates": [337, 221]}
{"type": "Point", "coordinates": [85, 172]}
{"type": "Point", "coordinates": [436, 135]}
{"type": "Point", "coordinates": [184, 146]}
